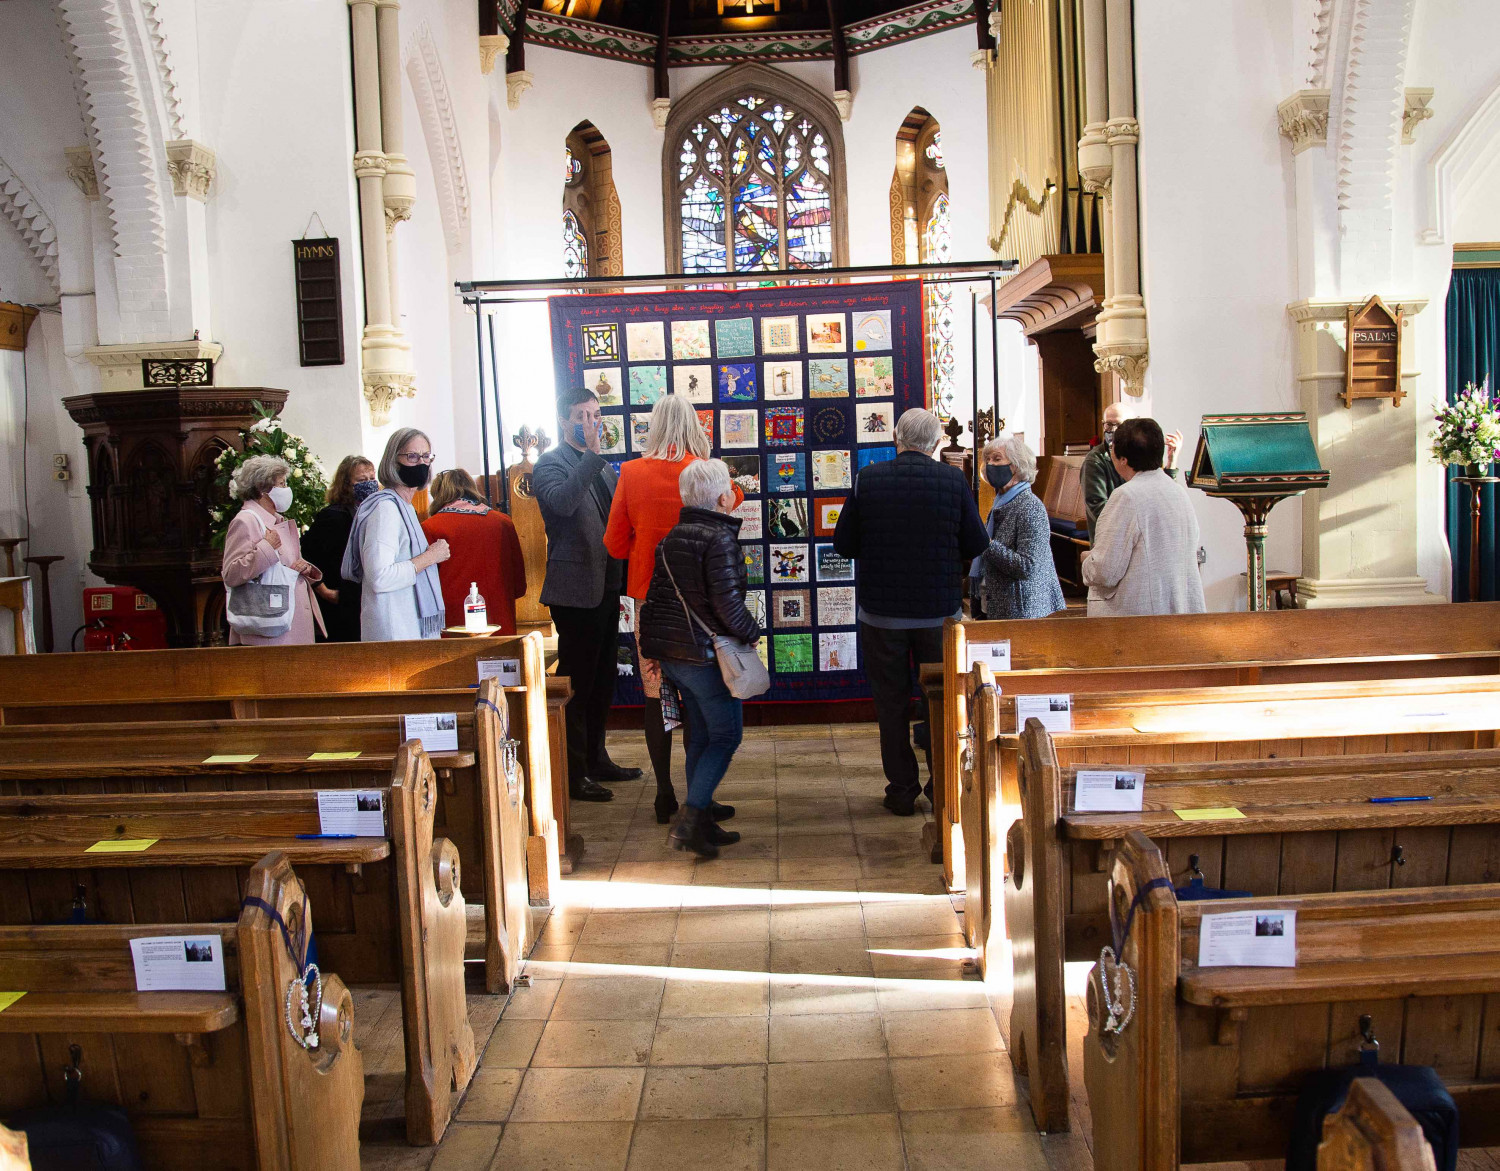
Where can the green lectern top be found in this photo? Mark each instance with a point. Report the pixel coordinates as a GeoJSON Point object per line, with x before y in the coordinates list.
{"type": "Point", "coordinates": [1256, 455]}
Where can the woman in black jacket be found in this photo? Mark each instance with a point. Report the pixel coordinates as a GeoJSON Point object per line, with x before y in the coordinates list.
{"type": "Point", "coordinates": [697, 591]}
{"type": "Point", "coordinates": [323, 545]}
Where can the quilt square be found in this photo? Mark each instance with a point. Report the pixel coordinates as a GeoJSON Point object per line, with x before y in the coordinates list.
{"type": "Point", "coordinates": [601, 343]}
{"type": "Point", "coordinates": [606, 385]}
{"type": "Point", "coordinates": [838, 651]}
{"type": "Point", "coordinates": [874, 455]}
{"type": "Point", "coordinates": [611, 435]}
{"type": "Point", "coordinates": [737, 383]}
{"type": "Point", "coordinates": [874, 378]}
{"type": "Point", "coordinates": [647, 384]}
{"type": "Point", "coordinates": [694, 383]}
{"type": "Point", "coordinates": [737, 429]}
{"type": "Point", "coordinates": [788, 564]}
{"type": "Point", "coordinates": [836, 606]}
{"type": "Point", "coordinates": [794, 653]}
{"type": "Point", "coordinates": [872, 330]}
{"type": "Point", "coordinates": [826, 511]}
{"type": "Point", "coordinates": [832, 567]}
{"type": "Point", "coordinates": [750, 513]}
{"type": "Point", "coordinates": [645, 341]}
{"type": "Point", "coordinates": [690, 340]}
{"type": "Point", "coordinates": [790, 609]}
{"type": "Point", "coordinates": [640, 430]}
{"type": "Point", "coordinates": [787, 471]}
{"type": "Point", "coordinates": [755, 570]}
{"type": "Point", "coordinates": [829, 425]}
{"type": "Point", "coordinates": [827, 333]}
{"type": "Point", "coordinates": [828, 378]}
{"type": "Point", "coordinates": [783, 426]}
{"type": "Point", "coordinates": [831, 469]}
{"type": "Point", "coordinates": [783, 380]}
{"type": "Point", "coordinates": [778, 335]}
{"type": "Point", "coordinates": [874, 423]}
{"type": "Point", "coordinates": [755, 602]}
{"type": "Point", "coordinates": [787, 517]}
{"type": "Point", "coordinates": [744, 470]}
{"type": "Point", "coordinates": [735, 336]}
{"type": "Point", "coordinates": [706, 421]}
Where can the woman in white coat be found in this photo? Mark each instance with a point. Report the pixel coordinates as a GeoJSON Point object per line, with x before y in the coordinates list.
{"type": "Point", "coordinates": [388, 553]}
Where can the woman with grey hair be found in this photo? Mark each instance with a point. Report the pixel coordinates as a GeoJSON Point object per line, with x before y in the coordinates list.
{"type": "Point", "coordinates": [1016, 575]}
{"type": "Point", "coordinates": [697, 591]}
{"type": "Point", "coordinates": [388, 553]}
{"type": "Point", "coordinates": [258, 537]}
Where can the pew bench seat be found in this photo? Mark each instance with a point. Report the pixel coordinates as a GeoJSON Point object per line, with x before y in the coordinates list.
{"type": "Point", "coordinates": [1309, 817]}
{"type": "Point", "coordinates": [147, 764]}
{"type": "Point", "coordinates": [121, 1012]}
{"type": "Point", "coordinates": [27, 852]}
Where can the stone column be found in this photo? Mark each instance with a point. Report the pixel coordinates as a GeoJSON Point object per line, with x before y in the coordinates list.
{"type": "Point", "coordinates": [400, 184]}
{"type": "Point", "coordinates": [1359, 534]}
{"type": "Point", "coordinates": [1095, 164]}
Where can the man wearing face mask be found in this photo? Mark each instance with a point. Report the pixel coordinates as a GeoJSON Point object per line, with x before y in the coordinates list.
{"type": "Point", "coordinates": [1099, 476]}
{"type": "Point", "coordinates": [575, 486]}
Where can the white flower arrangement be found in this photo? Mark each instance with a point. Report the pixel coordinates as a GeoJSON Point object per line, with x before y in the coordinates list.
{"type": "Point", "coordinates": [306, 477]}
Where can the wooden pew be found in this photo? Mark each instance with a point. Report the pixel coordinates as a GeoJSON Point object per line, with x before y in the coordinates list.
{"type": "Point", "coordinates": [1372, 1131]}
{"type": "Point", "coordinates": [1308, 826]}
{"type": "Point", "coordinates": [1209, 1067]}
{"type": "Point", "coordinates": [479, 790]}
{"type": "Point", "coordinates": [1201, 650]}
{"type": "Point", "coordinates": [205, 1076]}
{"type": "Point", "coordinates": [325, 679]}
{"type": "Point", "coordinates": [404, 923]}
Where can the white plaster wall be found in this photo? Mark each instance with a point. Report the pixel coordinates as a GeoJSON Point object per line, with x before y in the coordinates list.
{"type": "Point", "coordinates": [1218, 240]}
{"type": "Point", "coordinates": [933, 72]}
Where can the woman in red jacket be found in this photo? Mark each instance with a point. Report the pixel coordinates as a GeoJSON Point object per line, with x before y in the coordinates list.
{"type": "Point", "coordinates": [645, 508]}
{"type": "Point", "coordinates": [485, 550]}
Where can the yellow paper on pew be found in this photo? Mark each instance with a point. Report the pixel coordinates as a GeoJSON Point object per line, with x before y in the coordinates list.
{"type": "Point", "coordinates": [9, 998]}
{"type": "Point", "coordinates": [231, 758]}
{"type": "Point", "coordinates": [334, 756]}
{"type": "Point", "coordinates": [1216, 813]}
{"type": "Point", "coordinates": [121, 845]}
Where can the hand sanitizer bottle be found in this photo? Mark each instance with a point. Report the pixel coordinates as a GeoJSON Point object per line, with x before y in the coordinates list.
{"type": "Point", "coordinates": [475, 617]}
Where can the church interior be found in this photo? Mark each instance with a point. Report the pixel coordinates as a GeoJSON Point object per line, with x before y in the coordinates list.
{"type": "Point", "coordinates": [364, 909]}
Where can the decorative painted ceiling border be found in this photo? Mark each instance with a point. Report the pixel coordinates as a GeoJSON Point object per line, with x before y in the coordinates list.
{"type": "Point", "coordinates": [581, 36]}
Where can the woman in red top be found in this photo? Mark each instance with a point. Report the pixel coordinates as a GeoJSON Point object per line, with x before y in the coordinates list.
{"type": "Point", "coordinates": [645, 508]}
{"type": "Point", "coordinates": [485, 550]}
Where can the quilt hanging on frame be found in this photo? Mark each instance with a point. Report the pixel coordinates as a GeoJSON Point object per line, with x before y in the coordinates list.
{"type": "Point", "coordinates": [797, 389]}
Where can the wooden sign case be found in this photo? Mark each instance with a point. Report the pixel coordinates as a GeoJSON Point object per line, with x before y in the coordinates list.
{"type": "Point", "coordinates": [1372, 350]}
{"type": "Point", "coordinates": [320, 302]}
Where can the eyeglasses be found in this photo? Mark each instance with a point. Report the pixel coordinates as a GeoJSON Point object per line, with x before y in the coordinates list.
{"type": "Point", "coordinates": [412, 458]}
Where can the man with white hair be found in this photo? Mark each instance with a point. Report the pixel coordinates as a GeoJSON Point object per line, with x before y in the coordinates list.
{"type": "Point", "coordinates": [912, 526]}
{"type": "Point", "coordinates": [1099, 476]}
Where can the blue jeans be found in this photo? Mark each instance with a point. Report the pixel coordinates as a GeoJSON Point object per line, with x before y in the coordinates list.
{"type": "Point", "coordinates": [715, 726]}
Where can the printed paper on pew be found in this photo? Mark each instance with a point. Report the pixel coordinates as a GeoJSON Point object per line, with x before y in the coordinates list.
{"type": "Point", "coordinates": [1108, 791]}
{"type": "Point", "coordinates": [996, 654]}
{"type": "Point", "coordinates": [360, 812]}
{"type": "Point", "coordinates": [438, 731]}
{"type": "Point", "coordinates": [1248, 939]}
{"type": "Point", "coordinates": [1055, 711]}
{"type": "Point", "coordinates": [508, 671]}
{"type": "Point", "coordinates": [178, 963]}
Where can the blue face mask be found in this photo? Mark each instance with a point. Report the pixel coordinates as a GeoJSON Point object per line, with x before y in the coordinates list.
{"type": "Point", "coordinates": [579, 439]}
{"type": "Point", "coordinates": [364, 489]}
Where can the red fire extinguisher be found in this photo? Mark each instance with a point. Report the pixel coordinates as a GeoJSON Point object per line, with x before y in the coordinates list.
{"type": "Point", "coordinates": [121, 618]}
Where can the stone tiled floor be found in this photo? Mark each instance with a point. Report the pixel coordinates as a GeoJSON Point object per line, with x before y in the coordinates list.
{"type": "Point", "coordinates": [804, 1001]}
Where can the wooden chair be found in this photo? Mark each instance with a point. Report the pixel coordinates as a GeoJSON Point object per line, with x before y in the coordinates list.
{"type": "Point", "coordinates": [404, 923]}
{"type": "Point", "coordinates": [1372, 1131]}
{"type": "Point", "coordinates": [211, 1076]}
{"type": "Point", "coordinates": [1209, 1067]}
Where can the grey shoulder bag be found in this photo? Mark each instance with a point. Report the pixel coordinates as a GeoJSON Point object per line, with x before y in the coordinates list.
{"type": "Point", "coordinates": [744, 674]}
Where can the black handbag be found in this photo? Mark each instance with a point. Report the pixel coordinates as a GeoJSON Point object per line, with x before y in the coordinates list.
{"type": "Point", "coordinates": [78, 1136]}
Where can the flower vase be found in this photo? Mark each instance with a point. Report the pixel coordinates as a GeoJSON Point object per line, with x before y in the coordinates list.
{"type": "Point", "coordinates": [1475, 471]}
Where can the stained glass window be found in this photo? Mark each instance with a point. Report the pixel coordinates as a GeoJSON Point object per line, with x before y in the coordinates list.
{"type": "Point", "coordinates": [575, 248]}
{"type": "Point", "coordinates": [934, 150]}
{"type": "Point", "coordinates": [937, 247]}
{"type": "Point", "coordinates": [574, 166]}
{"type": "Point", "coordinates": [755, 189]}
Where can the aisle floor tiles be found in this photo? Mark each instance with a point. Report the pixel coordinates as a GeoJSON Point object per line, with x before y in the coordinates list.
{"type": "Point", "coordinates": [805, 997]}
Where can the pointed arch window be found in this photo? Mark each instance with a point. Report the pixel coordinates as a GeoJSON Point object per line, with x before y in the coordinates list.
{"type": "Point", "coordinates": [922, 233]}
{"type": "Point", "coordinates": [575, 248]}
{"type": "Point", "coordinates": [754, 170]}
{"type": "Point", "coordinates": [591, 237]}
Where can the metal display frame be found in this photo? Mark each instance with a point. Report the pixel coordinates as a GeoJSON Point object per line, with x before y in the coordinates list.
{"type": "Point", "coordinates": [477, 295]}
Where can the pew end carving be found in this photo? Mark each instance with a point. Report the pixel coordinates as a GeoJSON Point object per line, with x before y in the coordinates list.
{"type": "Point", "coordinates": [1372, 1131]}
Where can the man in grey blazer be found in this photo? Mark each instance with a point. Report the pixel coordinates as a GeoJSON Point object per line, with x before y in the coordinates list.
{"type": "Point", "coordinates": [574, 486]}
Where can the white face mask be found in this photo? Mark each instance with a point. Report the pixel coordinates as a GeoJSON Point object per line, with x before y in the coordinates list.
{"type": "Point", "coordinates": [281, 497]}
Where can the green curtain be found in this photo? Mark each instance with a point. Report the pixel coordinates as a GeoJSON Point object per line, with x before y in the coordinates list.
{"type": "Point", "coordinates": [1473, 319]}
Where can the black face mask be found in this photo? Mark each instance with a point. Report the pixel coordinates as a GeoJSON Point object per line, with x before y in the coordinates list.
{"type": "Point", "coordinates": [414, 477]}
{"type": "Point", "coordinates": [998, 475]}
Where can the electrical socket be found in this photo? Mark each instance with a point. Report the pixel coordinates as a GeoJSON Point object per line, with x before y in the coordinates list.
{"type": "Point", "coordinates": [61, 474]}
{"type": "Point", "coordinates": [59, 461]}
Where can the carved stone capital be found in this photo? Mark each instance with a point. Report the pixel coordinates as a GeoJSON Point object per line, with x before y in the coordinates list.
{"type": "Point", "coordinates": [81, 170]}
{"type": "Point", "coordinates": [490, 47]}
{"type": "Point", "coordinates": [1414, 113]}
{"type": "Point", "coordinates": [1126, 360]}
{"type": "Point", "coordinates": [661, 108]}
{"type": "Point", "coordinates": [370, 164]}
{"type": "Point", "coordinates": [1304, 118]}
{"type": "Point", "coordinates": [192, 167]}
{"type": "Point", "coordinates": [1095, 162]}
{"type": "Point", "coordinates": [399, 192]}
{"type": "Point", "coordinates": [383, 388]}
{"type": "Point", "coordinates": [517, 84]}
{"type": "Point", "coordinates": [981, 59]}
{"type": "Point", "coordinates": [1122, 131]}
{"type": "Point", "coordinates": [994, 26]}
{"type": "Point", "coordinates": [843, 101]}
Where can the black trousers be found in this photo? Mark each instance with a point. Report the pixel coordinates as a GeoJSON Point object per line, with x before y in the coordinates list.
{"type": "Point", "coordinates": [893, 659]}
{"type": "Point", "coordinates": [587, 650]}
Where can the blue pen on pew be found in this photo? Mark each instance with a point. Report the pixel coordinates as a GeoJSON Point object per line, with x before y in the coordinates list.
{"type": "Point", "coordinates": [322, 837]}
{"type": "Point", "coordinates": [1395, 800]}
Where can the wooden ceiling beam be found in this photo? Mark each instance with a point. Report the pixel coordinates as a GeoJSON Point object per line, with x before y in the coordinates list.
{"type": "Point", "coordinates": [661, 87]}
{"type": "Point", "coordinates": [840, 49]}
{"type": "Point", "coordinates": [515, 56]}
{"type": "Point", "coordinates": [982, 23]}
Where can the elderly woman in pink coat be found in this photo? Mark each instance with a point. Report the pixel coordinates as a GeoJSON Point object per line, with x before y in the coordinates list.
{"type": "Point", "coordinates": [258, 537]}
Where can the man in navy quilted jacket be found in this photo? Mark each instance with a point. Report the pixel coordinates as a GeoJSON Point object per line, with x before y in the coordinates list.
{"type": "Point", "coordinates": [913, 527]}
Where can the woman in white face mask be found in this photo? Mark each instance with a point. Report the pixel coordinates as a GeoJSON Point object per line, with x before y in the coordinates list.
{"type": "Point", "coordinates": [259, 536]}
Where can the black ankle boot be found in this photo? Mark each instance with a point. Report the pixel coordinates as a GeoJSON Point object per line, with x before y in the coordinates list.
{"type": "Point", "coordinates": [720, 812]}
{"type": "Point", "coordinates": [720, 836]}
{"type": "Point", "coordinates": [691, 833]}
{"type": "Point", "coordinates": [666, 803]}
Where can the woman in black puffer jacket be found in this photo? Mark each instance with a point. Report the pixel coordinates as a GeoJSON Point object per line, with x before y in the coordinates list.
{"type": "Point", "coordinates": [697, 591]}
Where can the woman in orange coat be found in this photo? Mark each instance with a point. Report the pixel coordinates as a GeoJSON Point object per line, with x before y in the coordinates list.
{"type": "Point", "coordinates": [645, 509]}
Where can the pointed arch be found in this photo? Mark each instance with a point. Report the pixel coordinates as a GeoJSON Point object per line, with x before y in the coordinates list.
{"type": "Point", "coordinates": [592, 236]}
{"type": "Point", "coordinates": [429, 84]}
